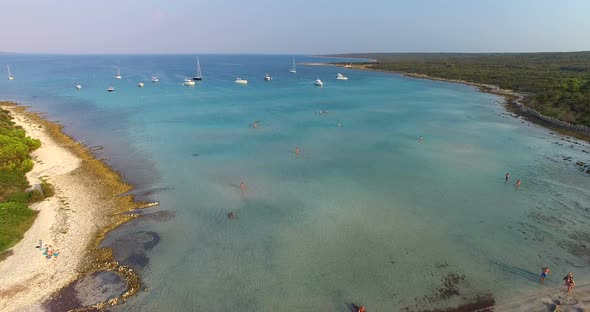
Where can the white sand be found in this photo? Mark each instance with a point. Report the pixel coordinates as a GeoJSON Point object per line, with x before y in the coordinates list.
{"type": "Point", "coordinates": [65, 221]}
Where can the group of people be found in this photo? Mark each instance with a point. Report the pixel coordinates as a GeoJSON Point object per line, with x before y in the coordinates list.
{"type": "Point", "coordinates": [518, 182]}
{"type": "Point", "coordinates": [48, 251]}
{"type": "Point", "coordinates": [568, 279]}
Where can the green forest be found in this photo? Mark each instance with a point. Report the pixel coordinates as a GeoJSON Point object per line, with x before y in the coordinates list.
{"type": "Point", "coordinates": [15, 161]}
{"type": "Point", "coordinates": [555, 84]}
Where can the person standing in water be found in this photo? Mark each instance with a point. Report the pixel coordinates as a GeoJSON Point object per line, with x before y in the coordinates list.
{"type": "Point", "coordinates": [544, 273]}
{"type": "Point", "coordinates": [507, 176]}
{"type": "Point", "coordinates": [421, 138]}
{"type": "Point", "coordinates": [569, 282]}
{"type": "Point", "coordinates": [242, 186]}
{"type": "Point", "coordinates": [297, 150]}
{"type": "Point", "coordinates": [518, 182]}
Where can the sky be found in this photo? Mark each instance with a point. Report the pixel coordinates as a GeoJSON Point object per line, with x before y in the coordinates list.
{"type": "Point", "coordinates": [293, 27]}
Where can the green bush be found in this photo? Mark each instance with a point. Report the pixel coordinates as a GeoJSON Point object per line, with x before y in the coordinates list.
{"type": "Point", "coordinates": [15, 216]}
{"type": "Point", "coordinates": [15, 220]}
{"type": "Point", "coordinates": [47, 188]}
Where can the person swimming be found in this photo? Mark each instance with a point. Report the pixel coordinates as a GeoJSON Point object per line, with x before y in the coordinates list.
{"type": "Point", "coordinates": [518, 182]}
{"type": "Point", "coordinates": [507, 176]}
{"type": "Point", "coordinates": [297, 150]}
{"type": "Point", "coordinates": [421, 138]}
{"type": "Point", "coordinates": [231, 215]}
{"type": "Point", "coordinates": [339, 125]}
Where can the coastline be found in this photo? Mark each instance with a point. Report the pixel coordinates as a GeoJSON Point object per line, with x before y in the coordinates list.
{"type": "Point", "coordinates": [86, 206]}
{"type": "Point", "coordinates": [512, 99]}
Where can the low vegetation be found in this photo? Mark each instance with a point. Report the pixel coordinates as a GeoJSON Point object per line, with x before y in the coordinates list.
{"type": "Point", "coordinates": [555, 84]}
{"type": "Point", "coordinates": [15, 161]}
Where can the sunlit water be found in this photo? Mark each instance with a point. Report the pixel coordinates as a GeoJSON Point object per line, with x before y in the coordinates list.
{"type": "Point", "coordinates": [365, 214]}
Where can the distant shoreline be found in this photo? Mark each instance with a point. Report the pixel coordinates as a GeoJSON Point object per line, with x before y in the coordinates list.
{"type": "Point", "coordinates": [87, 206]}
{"type": "Point", "coordinates": [512, 98]}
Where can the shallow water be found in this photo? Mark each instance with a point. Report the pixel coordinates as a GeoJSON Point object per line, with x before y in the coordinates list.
{"type": "Point", "coordinates": [366, 214]}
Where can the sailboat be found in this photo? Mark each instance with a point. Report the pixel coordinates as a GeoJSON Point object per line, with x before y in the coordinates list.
{"type": "Point", "coordinates": [10, 76]}
{"type": "Point", "coordinates": [118, 75]}
{"type": "Point", "coordinates": [293, 68]}
{"type": "Point", "coordinates": [197, 76]}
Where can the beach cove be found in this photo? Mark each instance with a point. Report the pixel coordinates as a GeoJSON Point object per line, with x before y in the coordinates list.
{"type": "Point", "coordinates": [366, 213]}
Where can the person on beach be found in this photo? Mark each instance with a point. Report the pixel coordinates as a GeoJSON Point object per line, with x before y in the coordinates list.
{"type": "Point", "coordinates": [518, 183]}
{"type": "Point", "coordinates": [544, 273]}
{"type": "Point", "coordinates": [40, 246]}
{"type": "Point", "coordinates": [507, 176]}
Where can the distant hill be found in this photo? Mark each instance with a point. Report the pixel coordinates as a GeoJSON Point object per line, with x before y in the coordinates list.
{"type": "Point", "coordinates": [557, 84]}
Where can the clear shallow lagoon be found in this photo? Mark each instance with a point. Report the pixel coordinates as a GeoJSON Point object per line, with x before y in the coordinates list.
{"type": "Point", "coordinates": [366, 214]}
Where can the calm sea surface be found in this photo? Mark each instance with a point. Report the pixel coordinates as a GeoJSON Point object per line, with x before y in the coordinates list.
{"type": "Point", "coordinates": [365, 214]}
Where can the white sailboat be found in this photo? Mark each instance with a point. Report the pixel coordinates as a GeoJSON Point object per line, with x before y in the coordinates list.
{"type": "Point", "coordinates": [118, 75]}
{"type": "Point", "coordinates": [293, 68]}
{"type": "Point", "coordinates": [197, 75]}
{"type": "Point", "coordinates": [241, 81]}
{"type": "Point", "coordinates": [10, 76]}
{"type": "Point", "coordinates": [188, 82]}
{"type": "Point", "coordinates": [318, 83]}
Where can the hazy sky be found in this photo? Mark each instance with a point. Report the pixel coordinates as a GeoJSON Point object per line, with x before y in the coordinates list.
{"type": "Point", "coordinates": [280, 26]}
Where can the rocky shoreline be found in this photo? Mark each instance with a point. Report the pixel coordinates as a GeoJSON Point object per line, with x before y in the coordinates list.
{"type": "Point", "coordinates": [88, 204]}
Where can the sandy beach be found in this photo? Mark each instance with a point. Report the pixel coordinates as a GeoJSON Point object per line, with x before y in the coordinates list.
{"type": "Point", "coordinates": [73, 221]}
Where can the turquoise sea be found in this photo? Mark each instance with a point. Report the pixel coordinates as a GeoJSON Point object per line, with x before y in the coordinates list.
{"type": "Point", "coordinates": [365, 214]}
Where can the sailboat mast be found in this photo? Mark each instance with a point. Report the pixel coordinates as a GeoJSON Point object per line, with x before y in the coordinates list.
{"type": "Point", "coordinates": [198, 67]}
{"type": "Point", "coordinates": [8, 67]}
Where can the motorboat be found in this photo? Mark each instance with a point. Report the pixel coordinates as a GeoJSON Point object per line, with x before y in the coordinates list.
{"type": "Point", "coordinates": [267, 77]}
{"type": "Point", "coordinates": [241, 81]}
{"type": "Point", "coordinates": [188, 82]}
{"type": "Point", "coordinates": [140, 84]}
{"type": "Point", "coordinates": [111, 89]}
{"type": "Point", "coordinates": [318, 83]}
{"type": "Point", "coordinates": [341, 77]}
